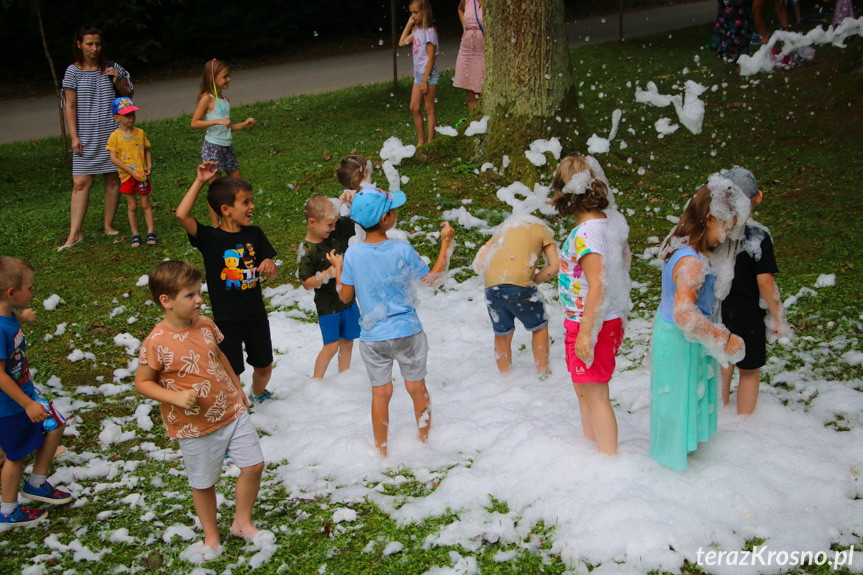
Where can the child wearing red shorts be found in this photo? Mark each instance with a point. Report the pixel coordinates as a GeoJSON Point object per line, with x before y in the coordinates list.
{"type": "Point", "coordinates": [130, 152]}
{"type": "Point", "coordinates": [593, 286]}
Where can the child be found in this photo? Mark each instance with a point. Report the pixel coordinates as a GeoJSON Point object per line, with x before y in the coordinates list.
{"type": "Point", "coordinates": [508, 263]}
{"type": "Point", "coordinates": [741, 310]}
{"type": "Point", "coordinates": [130, 152]}
{"type": "Point", "coordinates": [382, 271]}
{"type": "Point", "coordinates": [339, 321]}
{"type": "Point", "coordinates": [593, 286]}
{"type": "Point", "coordinates": [21, 416]}
{"type": "Point", "coordinates": [235, 255]}
{"type": "Point", "coordinates": [202, 402]}
{"type": "Point", "coordinates": [214, 113]}
{"type": "Point", "coordinates": [686, 345]}
{"type": "Point", "coordinates": [422, 34]}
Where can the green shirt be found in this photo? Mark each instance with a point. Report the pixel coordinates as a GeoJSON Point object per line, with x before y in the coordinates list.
{"type": "Point", "coordinates": [313, 259]}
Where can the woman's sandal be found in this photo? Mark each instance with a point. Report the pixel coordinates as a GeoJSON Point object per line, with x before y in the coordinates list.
{"type": "Point", "coordinates": [136, 241]}
{"type": "Point", "coordinates": [151, 239]}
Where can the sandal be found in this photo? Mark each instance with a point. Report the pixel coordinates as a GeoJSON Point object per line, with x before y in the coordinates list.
{"type": "Point", "coordinates": [151, 239]}
{"type": "Point", "coordinates": [136, 241]}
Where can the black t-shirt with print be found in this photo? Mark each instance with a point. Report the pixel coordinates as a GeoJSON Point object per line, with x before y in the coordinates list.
{"type": "Point", "coordinates": [231, 263]}
{"type": "Point", "coordinates": [313, 259]}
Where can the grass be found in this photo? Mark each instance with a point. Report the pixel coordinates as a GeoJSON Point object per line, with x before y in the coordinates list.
{"type": "Point", "coordinates": [799, 131]}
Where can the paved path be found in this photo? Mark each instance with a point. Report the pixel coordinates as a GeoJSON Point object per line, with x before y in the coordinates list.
{"type": "Point", "coordinates": [37, 118]}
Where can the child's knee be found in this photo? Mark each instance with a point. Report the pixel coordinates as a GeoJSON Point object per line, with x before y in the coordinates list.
{"type": "Point", "coordinates": [264, 371]}
{"type": "Point", "coordinates": [254, 470]}
{"type": "Point", "coordinates": [56, 433]}
{"type": "Point", "coordinates": [415, 107]}
{"type": "Point", "coordinates": [382, 392]}
{"type": "Point", "coordinates": [330, 348]}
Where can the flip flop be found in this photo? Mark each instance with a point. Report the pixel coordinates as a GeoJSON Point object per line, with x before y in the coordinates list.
{"type": "Point", "coordinates": [136, 241]}
{"type": "Point", "coordinates": [151, 239]}
{"type": "Point", "coordinates": [76, 242]}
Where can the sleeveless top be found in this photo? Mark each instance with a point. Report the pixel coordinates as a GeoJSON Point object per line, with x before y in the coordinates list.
{"type": "Point", "coordinates": [705, 298]}
{"type": "Point", "coordinates": [219, 134]}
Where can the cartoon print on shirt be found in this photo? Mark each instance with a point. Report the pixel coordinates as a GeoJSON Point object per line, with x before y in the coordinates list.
{"type": "Point", "coordinates": [231, 273]}
{"type": "Point", "coordinates": [240, 271]}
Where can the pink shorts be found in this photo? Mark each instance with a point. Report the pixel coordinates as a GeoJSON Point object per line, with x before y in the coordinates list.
{"type": "Point", "coordinates": [607, 344]}
{"type": "Point", "coordinates": [132, 186]}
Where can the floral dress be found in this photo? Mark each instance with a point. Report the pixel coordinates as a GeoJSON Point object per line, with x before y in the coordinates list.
{"type": "Point", "coordinates": [733, 31]}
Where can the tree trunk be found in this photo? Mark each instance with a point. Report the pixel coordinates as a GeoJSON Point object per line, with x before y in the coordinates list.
{"type": "Point", "coordinates": [53, 76]}
{"type": "Point", "coordinates": [528, 91]}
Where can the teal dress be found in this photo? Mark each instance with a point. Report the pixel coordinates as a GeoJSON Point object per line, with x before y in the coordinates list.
{"type": "Point", "coordinates": [684, 378]}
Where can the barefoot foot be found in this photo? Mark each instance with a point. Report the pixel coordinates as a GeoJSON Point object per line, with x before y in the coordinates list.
{"type": "Point", "coordinates": [245, 531]}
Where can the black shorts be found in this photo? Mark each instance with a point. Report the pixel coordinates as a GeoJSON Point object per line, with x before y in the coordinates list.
{"type": "Point", "coordinates": [748, 323]}
{"type": "Point", "coordinates": [256, 336]}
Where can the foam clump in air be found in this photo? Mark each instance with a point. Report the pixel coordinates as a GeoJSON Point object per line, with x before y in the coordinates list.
{"type": "Point", "coordinates": [394, 151]}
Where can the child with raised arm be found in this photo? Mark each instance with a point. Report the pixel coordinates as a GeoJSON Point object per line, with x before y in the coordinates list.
{"type": "Point", "coordinates": [742, 312]}
{"type": "Point", "coordinates": [421, 34]}
{"type": "Point", "coordinates": [339, 321]}
{"type": "Point", "coordinates": [686, 343]}
{"type": "Point", "coordinates": [382, 272]}
{"type": "Point", "coordinates": [593, 287]}
{"type": "Point", "coordinates": [236, 257]}
{"type": "Point", "coordinates": [202, 402]}
{"type": "Point", "coordinates": [22, 430]}
{"type": "Point", "coordinates": [130, 152]}
{"type": "Point", "coordinates": [508, 262]}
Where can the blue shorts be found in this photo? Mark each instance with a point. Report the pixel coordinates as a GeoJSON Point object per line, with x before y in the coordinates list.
{"type": "Point", "coordinates": [506, 302]}
{"type": "Point", "coordinates": [433, 77]}
{"type": "Point", "coordinates": [341, 325]}
{"type": "Point", "coordinates": [19, 437]}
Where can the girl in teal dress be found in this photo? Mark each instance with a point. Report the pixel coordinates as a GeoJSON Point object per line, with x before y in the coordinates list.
{"type": "Point", "coordinates": [686, 344]}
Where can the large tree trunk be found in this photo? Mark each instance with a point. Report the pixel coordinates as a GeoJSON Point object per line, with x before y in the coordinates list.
{"type": "Point", "coordinates": [528, 91]}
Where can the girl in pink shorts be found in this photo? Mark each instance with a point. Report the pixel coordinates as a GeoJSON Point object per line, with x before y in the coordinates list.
{"type": "Point", "coordinates": [593, 285]}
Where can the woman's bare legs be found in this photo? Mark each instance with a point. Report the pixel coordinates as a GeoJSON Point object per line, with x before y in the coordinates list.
{"type": "Point", "coordinates": [81, 185]}
{"type": "Point", "coordinates": [112, 200]}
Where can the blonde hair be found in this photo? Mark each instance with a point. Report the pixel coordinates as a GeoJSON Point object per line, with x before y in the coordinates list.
{"type": "Point", "coordinates": [352, 170]}
{"type": "Point", "coordinates": [595, 196]}
{"type": "Point", "coordinates": [211, 71]}
{"type": "Point", "coordinates": [13, 271]}
{"type": "Point", "coordinates": [169, 278]}
{"type": "Point", "coordinates": [316, 207]}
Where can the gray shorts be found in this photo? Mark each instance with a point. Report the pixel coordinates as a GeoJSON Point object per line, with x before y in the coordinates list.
{"type": "Point", "coordinates": [204, 456]}
{"type": "Point", "coordinates": [411, 352]}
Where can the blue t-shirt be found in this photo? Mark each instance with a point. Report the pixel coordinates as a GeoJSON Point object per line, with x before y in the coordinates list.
{"type": "Point", "coordinates": [13, 349]}
{"type": "Point", "coordinates": [705, 297]}
{"type": "Point", "coordinates": [384, 277]}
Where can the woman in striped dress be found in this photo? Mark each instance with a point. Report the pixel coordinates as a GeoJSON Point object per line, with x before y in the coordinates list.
{"type": "Point", "coordinates": [89, 87]}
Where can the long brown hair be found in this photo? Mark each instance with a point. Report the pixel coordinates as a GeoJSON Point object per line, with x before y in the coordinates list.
{"type": "Point", "coordinates": [692, 224]}
{"type": "Point", "coordinates": [211, 70]}
{"type": "Point", "coordinates": [78, 53]}
{"type": "Point", "coordinates": [425, 6]}
{"type": "Point", "coordinates": [595, 197]}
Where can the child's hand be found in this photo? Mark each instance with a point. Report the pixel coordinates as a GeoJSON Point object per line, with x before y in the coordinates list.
{"type": "Point", "coordinates": [446, 232]}
{"type": "Point", "coordinates": [140, 176]}
{"type": "Point", "coordinates": [582, 347]}
{"type": "Point", "coordinates": [185, 399]}
{"type": "Point", "coordinates": [335, 259]}
{"type": "Point", "coordinates": [424, 88]}
{"type": "Point", "coordinates": [27, 315]}
{"type": "Point", "coordinates": [267, 267]}
{"type": "Point", "coordinates": [147, 170]}
{"type": "Point", "coordinates": [347, 197]}
{"type": "Point", "coordinates": [36, 412]}
{"type": "Point", "coordinates": [734, 345]}
{"type": "Point", "coordinates": [206, 171]}
{"type": "Point", "coordinates": [226, 122]}
{"type": "Point", "coordinates": [249, 122]}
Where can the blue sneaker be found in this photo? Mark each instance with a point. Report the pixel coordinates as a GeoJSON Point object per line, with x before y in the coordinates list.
{"type": "Point", "coordinates": [266, 396]}
{"type": "Point", "coordinates": [46, 494]}
{"type": "Point", "coordinates": [23, 516]}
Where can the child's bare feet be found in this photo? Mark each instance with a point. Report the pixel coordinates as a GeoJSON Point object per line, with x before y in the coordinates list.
{"type": "Point", "coordinates": [200, 552]}
{"type": "Point", "coordinates": [59, 451]}
{"type": "Point", "coordinates": [245, 531]}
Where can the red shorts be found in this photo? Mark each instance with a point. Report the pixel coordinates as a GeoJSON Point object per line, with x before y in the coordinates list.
{"type": "Point", "coordinates": [607, 343]}
{"type": "Point", "coordinates": [132, 186]}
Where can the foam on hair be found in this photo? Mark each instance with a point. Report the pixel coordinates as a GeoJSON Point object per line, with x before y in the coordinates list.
{"type": "Point", "coordinates": [318, 207]}
{"type": "Point", "coordinates": [579, 185]}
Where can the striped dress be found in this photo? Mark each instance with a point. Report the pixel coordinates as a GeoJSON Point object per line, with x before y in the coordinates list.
{"type": "Point", "coordinates": [95, 93]}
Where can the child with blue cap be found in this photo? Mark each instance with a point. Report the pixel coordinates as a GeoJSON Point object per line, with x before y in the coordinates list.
{"type": "Point", "coordinates": [382, 273]}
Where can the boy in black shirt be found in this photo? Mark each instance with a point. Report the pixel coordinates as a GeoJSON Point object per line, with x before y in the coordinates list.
{"type": "Point", "coordinates": [236, 255]}
{"type": "Point", "coordinates": [742, 311]}
{"type": "Point", "coordinates": [339, 321]}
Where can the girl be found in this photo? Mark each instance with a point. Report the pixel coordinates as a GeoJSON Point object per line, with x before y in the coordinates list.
{"type": "Point", "coordinates": [214, 114]}
{"type": "Point", "coordinates": [697, 273]}
{"type": "Point", "coordinates": [420, 31]}
{"type": "Point", "coordinates": [593, 286]}
{"type": "Point", "coordinates": [354, 173]}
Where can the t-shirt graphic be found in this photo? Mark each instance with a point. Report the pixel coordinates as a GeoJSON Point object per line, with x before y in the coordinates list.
{"type": "Point", "coordinates": [13, 349]}
{"type": "Point", "coordinates": [240, 271]}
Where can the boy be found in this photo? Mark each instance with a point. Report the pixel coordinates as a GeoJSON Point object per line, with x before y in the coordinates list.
{"type": "Point", "coordinates": [202, 402]}
{"type": "Point", "coordinates": [339, 321]}
{"type": "Point", "coordinates": [383, 272]}
{"type": "Point", "coordinates": [21, 416]}
{"type": "Point", "coordinates": [130, 152]}
{"type": "Point", "coordinates": [508, 262]}
{"type": "Point", "coordinates": [235, 255]}
{"type": "Point", "coordinates": [742, 313]}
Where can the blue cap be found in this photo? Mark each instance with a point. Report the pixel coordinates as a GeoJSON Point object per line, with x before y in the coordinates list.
{"type": "Point", "coordinates": [371, 204]}
{"type": "Point", "coordinates": [123, 106]}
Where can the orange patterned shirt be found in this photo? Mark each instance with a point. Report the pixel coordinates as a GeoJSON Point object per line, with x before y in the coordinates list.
{"type": "Point", "coordinates": [188, 359]}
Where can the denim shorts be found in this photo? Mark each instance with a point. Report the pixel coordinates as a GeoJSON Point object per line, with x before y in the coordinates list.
{"type": "Point", "coordinates": [506, 302]}
{"type": "Point", "coordinates": [344, 324]}
{"type": "Point", "coordinates": [433, 77]}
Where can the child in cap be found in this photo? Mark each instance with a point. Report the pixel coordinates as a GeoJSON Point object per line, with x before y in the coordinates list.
{"type": "Point", "coordinates": [22, 416]}
{"type": "Point", "coordinates": [130, 152]}
{"type": "Point", "coordinates": [202, 402]}
{"type": "Point", "coordinates": [382, 273]}
{"type": "Point", "coordinates": [743, 312]}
